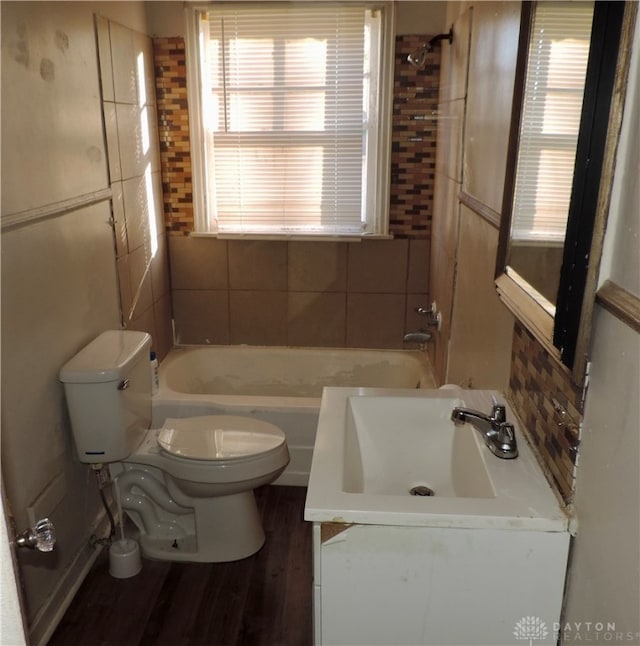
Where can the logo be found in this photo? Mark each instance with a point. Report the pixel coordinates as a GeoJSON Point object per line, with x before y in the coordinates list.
{"type": "Point", "coordinates": [531, 629]}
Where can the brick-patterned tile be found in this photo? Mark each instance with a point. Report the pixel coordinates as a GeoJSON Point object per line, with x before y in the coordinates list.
{"type": "Point", "coordinates": [413, 138]}
{"type": "Point", "coordinates": [413, 147]}
{"type": "Point", "coordinates": [536, 382]}
{"type": "Point", "coordinates": [173, 127]}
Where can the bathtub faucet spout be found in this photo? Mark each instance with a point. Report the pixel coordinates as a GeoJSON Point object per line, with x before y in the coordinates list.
{"type": "Point", "coordinates": [499, 435]}
{"type": "Point", "coordinates": [421, 337]}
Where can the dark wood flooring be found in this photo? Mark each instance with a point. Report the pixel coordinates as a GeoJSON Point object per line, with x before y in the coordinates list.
{"type": "Point", "coordinates": [263, 600]}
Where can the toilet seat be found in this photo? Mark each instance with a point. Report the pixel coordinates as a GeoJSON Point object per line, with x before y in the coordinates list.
{"type": "Point", "coordinates": [184, 449]}
{"type": "Point", "coordinates": [219, 438]}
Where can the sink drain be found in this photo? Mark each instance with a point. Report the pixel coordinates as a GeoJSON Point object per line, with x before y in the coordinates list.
{"type": "Point", "coordinates": [422, 490]}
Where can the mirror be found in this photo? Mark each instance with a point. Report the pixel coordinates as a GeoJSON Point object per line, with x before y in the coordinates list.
{"type": "Point", "coordinates": [571, 74]}
{"type": "Point", "coordinates": [551, 105]}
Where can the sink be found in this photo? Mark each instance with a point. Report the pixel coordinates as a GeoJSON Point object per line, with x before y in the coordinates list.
{"type": "Point", "coordinates": [398, 445]}
{"type": "Point", "coordinates": [374, 446]}
{"type": "Point", "coordinates": [483, 554]}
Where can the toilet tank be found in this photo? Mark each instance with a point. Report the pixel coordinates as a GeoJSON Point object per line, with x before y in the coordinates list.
{"type": "Point", "coordinates": [108, 391]}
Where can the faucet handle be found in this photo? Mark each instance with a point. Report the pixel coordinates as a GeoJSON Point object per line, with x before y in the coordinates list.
{"type": "Point", "coordinates": [498, 412]}
{"type": "Point", "coordinates": [433, 317]}
{"type": "Point", "coordinates": [507, 440]}
{"type": "Point", "coordinates": [506, 432]}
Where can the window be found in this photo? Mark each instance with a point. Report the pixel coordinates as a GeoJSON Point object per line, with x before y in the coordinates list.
{"type": "Point", "coordinates": [289, 110]}
{"type": "Point", "coordinates": [552, 106]}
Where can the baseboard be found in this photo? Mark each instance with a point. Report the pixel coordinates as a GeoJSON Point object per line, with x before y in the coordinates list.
{"type": "Point", "coordinates": [50, 615]}
{"type": "Point", "coordinates": [293, 479]}
{"type": "Point", "coordinates": [297, 472]}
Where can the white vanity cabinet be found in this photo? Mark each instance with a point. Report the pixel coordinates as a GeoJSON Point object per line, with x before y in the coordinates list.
{"type": "Point", "coordinates": [390, 585]}
{"type": "Point", "coordinates": [480, 563]}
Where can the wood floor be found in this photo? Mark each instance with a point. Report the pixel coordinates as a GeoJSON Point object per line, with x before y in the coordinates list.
{"type": "Point", "coordinates": [264, 600]}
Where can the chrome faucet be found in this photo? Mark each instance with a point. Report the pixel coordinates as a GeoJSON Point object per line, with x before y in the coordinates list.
{"type": "Point", "coordinates": [499, 435]}
{"type": "Point", "coordinates": [421, 337]}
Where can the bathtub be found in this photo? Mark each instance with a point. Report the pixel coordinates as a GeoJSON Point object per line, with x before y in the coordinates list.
{"type": "Point", "coordinates": [278, 385]}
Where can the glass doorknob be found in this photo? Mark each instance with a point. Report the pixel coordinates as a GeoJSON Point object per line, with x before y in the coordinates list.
{"type": "Point", "coordinates": [42, 536]}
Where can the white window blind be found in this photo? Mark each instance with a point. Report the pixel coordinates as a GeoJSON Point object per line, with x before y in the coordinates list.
{"type": "Point", "coordinates": [290, 111]}
{"type": "Point", "coordinates": [556, 69]}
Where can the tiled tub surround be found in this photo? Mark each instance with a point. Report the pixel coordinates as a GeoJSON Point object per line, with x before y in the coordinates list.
{"type": "Point", "coordinates": [414, 136]}
{"type": "Point", "coordinates": [326, 294]}
{"type": "Point", "coordinates": [302, 293]}
{"type": "Point", "coordinates": [540, 389]}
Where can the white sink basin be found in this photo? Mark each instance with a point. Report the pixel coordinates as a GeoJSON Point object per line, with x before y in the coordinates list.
{"type": "Point", "coordinates": [374, 445]}
{"type": "Point", "coordinates": [393, 445]}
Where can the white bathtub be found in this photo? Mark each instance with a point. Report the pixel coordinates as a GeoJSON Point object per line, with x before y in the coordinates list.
{"type": "Point", "coordinates": [279, 385]}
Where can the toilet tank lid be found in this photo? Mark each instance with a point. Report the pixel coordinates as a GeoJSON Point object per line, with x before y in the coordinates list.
{"type": "Point", "coordinates": [107, 358]}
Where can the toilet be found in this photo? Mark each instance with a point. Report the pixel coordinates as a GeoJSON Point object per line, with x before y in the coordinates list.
{"type": "Point", "coordinates": [188, 486]}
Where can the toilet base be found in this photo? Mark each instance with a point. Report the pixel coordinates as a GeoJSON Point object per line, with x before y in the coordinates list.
{"type": "Point", "coordinates": [228, 529]}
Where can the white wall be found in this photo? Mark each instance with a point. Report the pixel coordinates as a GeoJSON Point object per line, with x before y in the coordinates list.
{"type": "Point", "coordinates": [412, 17]}
{"type": "Point", "coordinates": [416, 17]}
{"type": "Point", "coordinates": [12, 629]}
{"type": "Point", "coordinates": [604, 578]}
{"type": "Point", "coordinates": [620, 257]}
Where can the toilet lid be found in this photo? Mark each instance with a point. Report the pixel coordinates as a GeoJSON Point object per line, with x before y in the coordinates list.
{"type": "Point", "coordinates": [218, 437]}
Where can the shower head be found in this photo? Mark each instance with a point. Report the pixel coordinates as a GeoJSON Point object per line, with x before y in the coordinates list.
{"type": "Point", "coordinates": [418, 57]}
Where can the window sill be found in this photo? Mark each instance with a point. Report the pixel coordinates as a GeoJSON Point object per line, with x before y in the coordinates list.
{"type": "Point", "coordinates": [291, 237]}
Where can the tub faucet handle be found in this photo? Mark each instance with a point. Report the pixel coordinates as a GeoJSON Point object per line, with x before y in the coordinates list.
{"type": "Point", "coordinates": [433, 317]}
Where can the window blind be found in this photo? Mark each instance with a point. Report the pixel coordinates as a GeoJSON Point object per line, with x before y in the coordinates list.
{"type": "Point", "coordinates": [554, 88]}
{"type": "Point", "coordinates": [290, 114]}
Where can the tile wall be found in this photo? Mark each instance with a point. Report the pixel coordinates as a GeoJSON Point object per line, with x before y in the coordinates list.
{"type": "Point", "coordinates": [302, 293]}
{"type": "Point", "coordinates": [550, 405]}
{"type": "Point", "coordinates": [296, 293]}
{"type": "Point", "coordinates": [173, 121]}
{"type": "Point", "coordinates": [414, 136]}
{"type": "Point", "coordinates": [129, 108]}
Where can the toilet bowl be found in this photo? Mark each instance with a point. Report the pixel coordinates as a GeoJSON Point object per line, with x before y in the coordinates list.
{"type": "Point", "coordinates": [216, 455]}
{"type": "Point", "coordinates": [188, 487]}
{"type": "Point", "coordinates": [210, 466]}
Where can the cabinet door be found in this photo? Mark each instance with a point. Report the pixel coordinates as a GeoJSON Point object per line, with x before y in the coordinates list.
{"type": "Point", "coordinates": [438, 586]}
